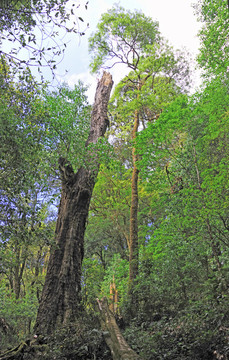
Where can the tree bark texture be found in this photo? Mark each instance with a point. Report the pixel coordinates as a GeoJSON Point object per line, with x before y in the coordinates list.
{"type": "Point", "coordinates": [60, 300]}
{"type": "Point", "coordinates": [120, 350]}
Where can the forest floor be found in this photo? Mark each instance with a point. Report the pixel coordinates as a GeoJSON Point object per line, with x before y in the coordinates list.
{"type": "Point", "coordinates": [193, 335]}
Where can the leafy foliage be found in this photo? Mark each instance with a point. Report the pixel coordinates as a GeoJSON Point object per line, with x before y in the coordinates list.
{"type": "Point", "coordinates": [17, 316]}
{"type": "Point", "coordinates": [121, 37]}
{"type": "Point", "coordinates": [213, 57]}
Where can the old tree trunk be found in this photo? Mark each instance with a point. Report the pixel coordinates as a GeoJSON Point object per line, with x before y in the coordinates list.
{"type": "Point", "coordinates": [60, 299]}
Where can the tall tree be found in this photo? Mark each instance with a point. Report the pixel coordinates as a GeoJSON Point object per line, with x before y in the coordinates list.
{"type": "Point", "coordinates": [132, 39]}
{"type": "Point", "coordinates": [60, 300]}
{"type": "Point", "coordinates": [122, 37]}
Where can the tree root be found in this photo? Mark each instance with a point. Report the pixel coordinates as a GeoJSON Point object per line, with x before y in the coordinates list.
{"type": "Point", "coordinates": [26, 347]}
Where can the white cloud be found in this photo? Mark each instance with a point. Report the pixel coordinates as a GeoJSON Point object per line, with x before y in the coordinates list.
{"type": "Point", "coordinates": [87, 79]}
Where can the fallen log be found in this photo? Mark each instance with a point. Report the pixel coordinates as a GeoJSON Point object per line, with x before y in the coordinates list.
{"type": "Point", "coordinates": [120, 350]}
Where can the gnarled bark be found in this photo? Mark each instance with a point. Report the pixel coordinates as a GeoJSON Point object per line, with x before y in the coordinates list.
{"type": "Point", "coordinates": [60, 299]}
{"type": "Point", "coordinates": [120, 350]}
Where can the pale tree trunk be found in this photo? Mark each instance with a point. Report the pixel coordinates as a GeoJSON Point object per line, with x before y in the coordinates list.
{"type": "Point", "coordinates": [120, 350]}
{"type": "Point", "coordinates": [60, 300]}
{"type": "Point", "coordinates": [18, 270]}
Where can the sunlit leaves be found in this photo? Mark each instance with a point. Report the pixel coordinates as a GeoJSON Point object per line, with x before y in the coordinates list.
{"type": "Point", "coordinates": [214, 36]}
{"type": "Point", "coordinates": [186, 149]}
{"type": "Point", "coordinates": [121, 37]}
{"type": "Point", "coordinates": [67, 123]}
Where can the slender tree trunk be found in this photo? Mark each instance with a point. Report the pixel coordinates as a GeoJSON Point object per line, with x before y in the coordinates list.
{"type": "Point", "coordinates": [18, 270]}
{"type": "Point", "coordinates": [133, 239]}
{"type": "Point", "coordinates": [133, 269]}
{"type": "Point", "coordinates": [60, 300]}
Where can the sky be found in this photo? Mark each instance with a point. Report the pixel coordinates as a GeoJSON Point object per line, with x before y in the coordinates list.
{"type": "Point", "coordinates": [177, 23]}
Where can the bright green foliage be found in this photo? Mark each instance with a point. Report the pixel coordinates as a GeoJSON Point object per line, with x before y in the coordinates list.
{"type": "Point", "coordinates": [92, 278]}
{"type": "Point", "coordinates": [162, 76]}
{"type": "Point", "coordinates": [134, 40]}
{"type": "Point", "coordinates": [214, 51]}
{"type": "Point", "coordinates": [108, 227]}
{"type": "Point", "coordinates": [117, 272]}
{"type": "Point", "coordinates": [184, 265]}
{"type": "Point", "coordinates": [122, 37]}
{"type": "Point", "coordinates": [110, 207]}
{"type": "Point", "coordinates": [187, 151]}
{"type": "Point", "coordinates": [67, 124]}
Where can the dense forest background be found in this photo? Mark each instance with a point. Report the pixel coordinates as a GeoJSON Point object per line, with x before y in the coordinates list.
{"type": "Point", "coordinates": [157, 234]}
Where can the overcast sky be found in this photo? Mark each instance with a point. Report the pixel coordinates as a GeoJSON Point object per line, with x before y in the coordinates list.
{"type": "Point", "coordinates": [177, 23]}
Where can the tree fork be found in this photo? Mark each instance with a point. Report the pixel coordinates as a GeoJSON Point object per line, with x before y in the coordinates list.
{"type": "Point", "coordinates": [60, 300]}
